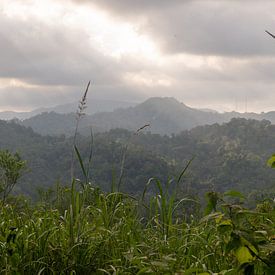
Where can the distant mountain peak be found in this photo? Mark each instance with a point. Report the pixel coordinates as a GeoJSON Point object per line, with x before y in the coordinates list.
{"type": "Point", "coordinates": [166, 115]}
{"type": "Point", "coordinates": [164, 101]}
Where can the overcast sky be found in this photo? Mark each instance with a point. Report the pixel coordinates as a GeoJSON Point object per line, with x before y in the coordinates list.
{"type": "Point", "coordinates": [207, 54]}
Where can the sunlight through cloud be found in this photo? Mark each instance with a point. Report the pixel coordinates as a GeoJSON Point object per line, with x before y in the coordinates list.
{"type": "Point", "coordinates": [110, 37]}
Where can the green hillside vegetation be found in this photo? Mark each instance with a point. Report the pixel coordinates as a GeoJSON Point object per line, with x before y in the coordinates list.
{"type": "Point", "coordinates": [49, 159]}
{"type": "Point", "coordinates": [82, 230]}
{"type": "Point", "coordinates": [228, 156]}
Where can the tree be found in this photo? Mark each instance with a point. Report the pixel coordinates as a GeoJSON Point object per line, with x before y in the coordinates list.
{"type": "Point", "coordinates": [11, 168]}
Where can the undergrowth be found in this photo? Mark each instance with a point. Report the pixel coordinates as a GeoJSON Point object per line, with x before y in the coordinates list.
{"type": "Point", "coordinates": [91, 232]}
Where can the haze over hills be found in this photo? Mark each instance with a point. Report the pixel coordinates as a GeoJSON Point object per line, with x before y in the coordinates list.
{"type": "Point", "coordinates": [165, 116]}
{"type": "Point", "coordinates": [93, 106]}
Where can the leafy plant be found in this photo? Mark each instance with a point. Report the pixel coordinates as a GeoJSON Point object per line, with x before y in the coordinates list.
{"type": "Point", "coordinates": [11, 168]}
{"type": "Point", "coordinates": [246, 234]}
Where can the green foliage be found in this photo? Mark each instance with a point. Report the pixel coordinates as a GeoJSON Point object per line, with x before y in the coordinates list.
{"type": "Point", "coordinates": [83, 230]}
{"type": "Point", "coordinates": [11, 167]}
{"type": "Point", "coordinates": [229, 156]}
{"type": "Point", "coordinates": [246, 235]}
{"type": "Point", "coordinates": [92, 232]}
{"type": "Point", "coordinates": [271, 162]}
{"type": "Point", "coordinates": [162, 207]}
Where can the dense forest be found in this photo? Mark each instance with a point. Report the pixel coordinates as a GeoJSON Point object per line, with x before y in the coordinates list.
{"type": "Point", "coordinates": [78, 228]}
{"type": "Point", "coordinates": [228, 156]}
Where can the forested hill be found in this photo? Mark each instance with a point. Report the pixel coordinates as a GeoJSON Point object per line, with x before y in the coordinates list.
{"type": "Point", "coordinates": [165, 116]}
{"type": "Point", "coordinates": [49, 159]}
{"type": "Point", "coordinates": [228, 156]}
{"type": "Point", "coordinates": [231, 155]}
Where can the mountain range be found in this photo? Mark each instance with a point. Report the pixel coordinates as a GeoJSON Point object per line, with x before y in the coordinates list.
{"type": "Point", "coordinates": [165, 116]}
{"type": "Point", "coordinates": [93, 106]}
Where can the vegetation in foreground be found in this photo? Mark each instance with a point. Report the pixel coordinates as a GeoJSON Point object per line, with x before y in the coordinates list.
{"type": "Point", "coordinates": [82, 230]}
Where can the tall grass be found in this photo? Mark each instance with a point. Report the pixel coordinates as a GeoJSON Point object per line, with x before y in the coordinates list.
{"type": "Point", "coordinates": [93, 232]}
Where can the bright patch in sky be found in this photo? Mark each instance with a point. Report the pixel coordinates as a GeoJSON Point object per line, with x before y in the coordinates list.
{"type": "Point", "coordinates": [13, 82]}
{"type": "Point", "coordinates": [148, 80]}
{"type": "Point", "coordinates": [109, 36]}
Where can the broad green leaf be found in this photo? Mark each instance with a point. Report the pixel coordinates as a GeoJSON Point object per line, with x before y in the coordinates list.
{"type": "Point", "coordinates": [250, 246]}
{"type": "Point", "coordinates": [271, 161]}
{"type": "Point", "coordinates": [225, 226]}
{"type": "Point", "coordinates": [243, 255]}
{"type": "Point", "coordinates": [219, 218]}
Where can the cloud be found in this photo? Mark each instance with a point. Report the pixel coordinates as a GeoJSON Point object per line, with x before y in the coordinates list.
{"type": "Point", "coordinates": [201, 52]}
{"type": "Point", "coordinates": [50, 55]}
{"type": "Point", "coordinates": [133, 8]}
{"type": "Point", "coordinates": [54, 61]}
{"type": "Point", "coordinates": [206, 27]}
{"type": "Point", "coordinates": [20, 98]}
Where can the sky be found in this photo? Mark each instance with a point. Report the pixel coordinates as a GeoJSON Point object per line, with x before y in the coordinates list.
{"type": "Point", "coordinates": [208, 54]}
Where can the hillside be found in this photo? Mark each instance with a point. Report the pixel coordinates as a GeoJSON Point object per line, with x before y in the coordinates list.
{"type": "Point", "coordinates": [166, 116]}
{"type": "Point", "coordinates": [228, 156]}
{"type": "Point", "coordinates": [93, 106]}
{"type": "Point", "coordinates": [49, 159]}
